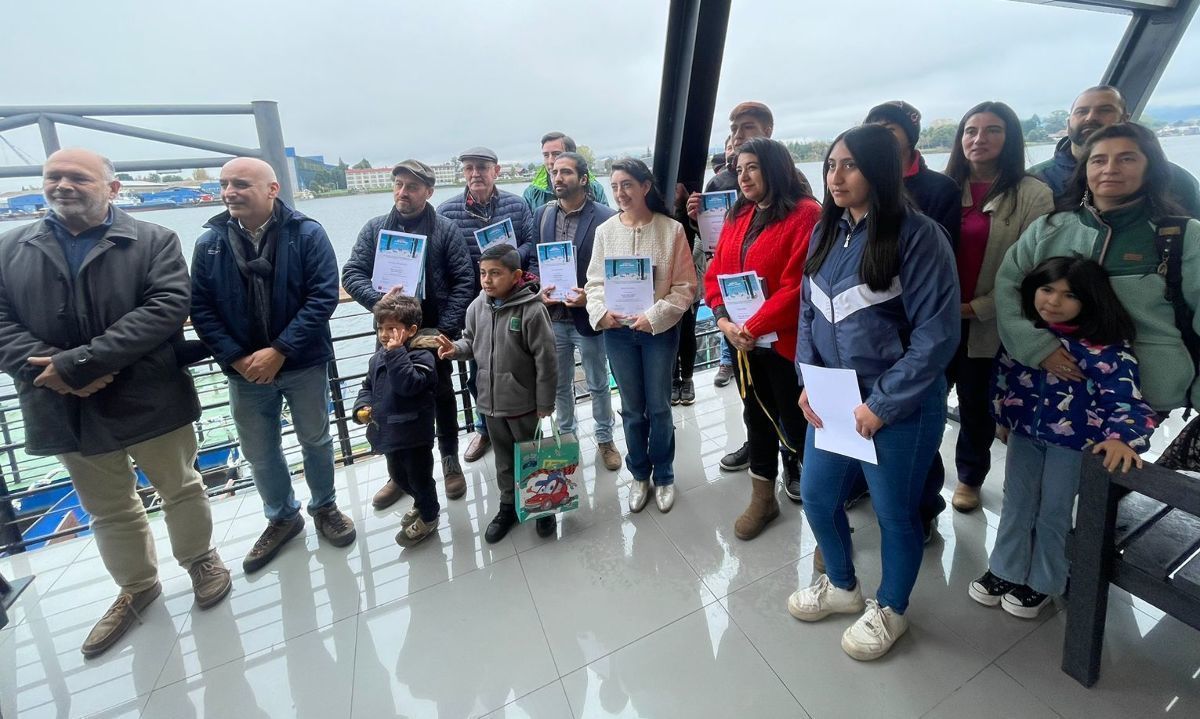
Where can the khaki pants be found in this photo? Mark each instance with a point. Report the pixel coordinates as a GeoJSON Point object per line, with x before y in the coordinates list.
{"type": "Point", "coordinates": [107, 489]}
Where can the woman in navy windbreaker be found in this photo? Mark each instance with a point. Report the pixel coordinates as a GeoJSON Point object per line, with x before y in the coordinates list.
{"type": "Point", "coordinates": [880, 297]}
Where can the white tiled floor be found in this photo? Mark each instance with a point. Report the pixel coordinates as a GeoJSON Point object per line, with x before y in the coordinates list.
{"type": "Point", "coordinates": [645, 615]}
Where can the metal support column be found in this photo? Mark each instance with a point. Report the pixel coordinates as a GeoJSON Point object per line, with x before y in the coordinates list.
{"type": "Point", "coordinates": [49, 135]}
{"type": "Point", "coordinates": [691, 70]}
{"type": "Point", "coordinates": [1144, 51]}
{"type": "Point", "coordinates": [270, 139]}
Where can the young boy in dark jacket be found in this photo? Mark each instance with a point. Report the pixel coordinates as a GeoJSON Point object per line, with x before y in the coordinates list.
{"type": "Point", "coordinates": [509, 335]}
{"type": "Point", "coordinates": [397, 403]}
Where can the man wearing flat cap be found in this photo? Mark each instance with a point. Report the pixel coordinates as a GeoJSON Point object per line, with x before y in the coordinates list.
{"type": "Point", "coordinates": [480, 205]}
{"type": "Point", "coordinates": [450, 285]}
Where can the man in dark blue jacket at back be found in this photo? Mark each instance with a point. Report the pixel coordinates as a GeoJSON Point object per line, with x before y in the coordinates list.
{"type": "Point", "coordinates": [573, 217]}
{"type": "Point", "coordinates": [264, 285]}
{"type": "Point", "coordinates": [480, 205]}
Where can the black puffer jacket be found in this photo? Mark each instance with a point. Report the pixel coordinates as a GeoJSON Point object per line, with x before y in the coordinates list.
{"type": "Point", "coordinates": [475, 217]}
{"type": "Point", "coordinates": [450, 279]}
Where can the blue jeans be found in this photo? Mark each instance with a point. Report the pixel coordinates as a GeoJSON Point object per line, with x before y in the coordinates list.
{"type": "Point", "coordinates": [726, 352]}
{"type": "Point", "coordinates": [904, 450]}
{"type": "Point", "coordinates": [595, 371]}
{"type": "Point", "coordinates": [642, 365]}
{"type": "Point", "coordinates": [1040, 481]}
{"type": "Point", "coordinates": [472, 374]}
{"type": "Point", "coordinates": [257, 411]}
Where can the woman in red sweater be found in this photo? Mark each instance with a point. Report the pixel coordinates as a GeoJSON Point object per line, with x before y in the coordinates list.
{"type": "Point", "coordinates": [766, 233]}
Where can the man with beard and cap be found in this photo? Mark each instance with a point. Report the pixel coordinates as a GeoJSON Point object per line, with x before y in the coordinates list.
{"type": "Point", "coordinates": [1098, 107]}
{"type": "Point", "coordinates": [92, 305]}
{"type": "Point", "coordinates": [448, 291]}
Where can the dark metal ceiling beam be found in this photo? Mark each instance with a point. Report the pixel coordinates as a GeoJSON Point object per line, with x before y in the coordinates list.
{"type": "Point", "coordinates": [1145, 50]}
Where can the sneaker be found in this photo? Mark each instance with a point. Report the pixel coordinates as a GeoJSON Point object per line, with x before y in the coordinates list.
{"type": "Point", "coordinates": [610, 455]}
{"type": "Point", "coordinates": [852, 501]}
{"type": "Point", "coordinates": [687, 393]}
{"type": "Point", "coordinates": [724, 374]}
{"type": "Point", "coordinates": [126, 610]}
{"type": "Point", "coordinates": [210, 580]}
{"type": "Point", "coordinates": [664, 497]}
{"type": "Point", "coordinates": [639, 494]}
{"type": "Point", "coordinates": [676, 386]}
{"type": "Point", "coordinates": [410, 516]}
{"type": "Point", "coordinates": [452, 474]}
{"type": "Point", "coordinates": [500, 524]}
{"type": "Point", "coordinates": [419, 529]}
{"type": "Point", "coordinates": [479, 446]}
{"type": "Point", "coordinates": [334, 525]}
{"type": "Point", "coordinates": [988, 589]}
{"type": "Point", "coordinates": [966, 498]}
{"type": "Point", "coordinates": [387, 495]}
{"type": "Point", "coordinates": [822, 599]}
{"type": "Point", "coordinates": [791, 479]}
{"type": "Point", "coordinates": [1024, 602]}
{"type": "Point", "coordinates": [547, 526]}
{"type": "Point", "coordinates": [271, 541]}
{"type": "Point", "coordinates": [737, 460]}
{"type": "Point", "coordinates": [874, 633]}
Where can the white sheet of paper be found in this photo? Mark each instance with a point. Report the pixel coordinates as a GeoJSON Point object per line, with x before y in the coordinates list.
{"type": "Point", "coordinates": [744, 294]}
{"type": "Point", "coordinates": [501, 232]}
{"type": "Point", "coordinates": [628, 284]}
{"type": "Point", "coordinates": [833, 394]}
{"type": "Point", "coordinates": [556, 267]}
{"type": "Point", "coordinates": [711, 219]}
{"type": "Point", "coordinates": [399, 262]}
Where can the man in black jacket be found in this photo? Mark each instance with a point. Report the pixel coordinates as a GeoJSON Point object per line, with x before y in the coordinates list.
{"type": "Point", "coordinates": [448, 291]}
{"type": "Point", "coordinates": [92, 304]}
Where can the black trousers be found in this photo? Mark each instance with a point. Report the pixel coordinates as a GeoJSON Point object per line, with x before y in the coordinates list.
{"type": "Point", "coordinates": [972, 376]}
{"type": "Point", "coordinates": [446, 410]}
{"type": "Point", "coordinates": [412, 469]}
{"type": "Point", "coordinates": [685, 360]}
{"type": "Point", "coordinates": [773, 380]}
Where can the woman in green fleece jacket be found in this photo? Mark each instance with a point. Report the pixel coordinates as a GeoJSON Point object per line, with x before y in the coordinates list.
{"type": "Point", "coordinates": [1120, 197]}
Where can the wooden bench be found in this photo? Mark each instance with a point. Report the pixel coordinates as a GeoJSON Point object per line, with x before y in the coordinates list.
{"type": "Point", "coordinates": [1144, 542]}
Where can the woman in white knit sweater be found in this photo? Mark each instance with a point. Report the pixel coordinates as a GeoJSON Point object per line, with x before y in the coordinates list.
{"type": "Point", "coordinates": [641, 347]}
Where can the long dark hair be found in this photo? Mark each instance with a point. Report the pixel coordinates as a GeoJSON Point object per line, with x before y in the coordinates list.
{"type": "Point", "coordinates": [1156, 183]}
{"type": "Point", "coordinates": [1102, 318]}
{"type": "Point", "coordinates": [1010, 165]}
{"type": "Point", "coordinates": [784, 186]}
{"type": "Point", "coordinates": [637, 170]}
{"type": "Point", "coordinates": [877, 155]}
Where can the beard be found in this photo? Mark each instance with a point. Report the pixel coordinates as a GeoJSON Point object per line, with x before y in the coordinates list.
{"type": "Point", "coordinates": [1079, 135]}
{"type": "Point", "coordinates": [84, 207]}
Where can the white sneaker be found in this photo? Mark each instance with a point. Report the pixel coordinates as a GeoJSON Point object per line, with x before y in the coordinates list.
{"type": "Point", "coordinates": [822, 599]}
{"type": "Point", "coordinates": [639, 494]}
{"type": "Point", "coordinates": [874, 633]}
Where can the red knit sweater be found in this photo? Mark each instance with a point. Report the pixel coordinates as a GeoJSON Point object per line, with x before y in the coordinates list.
{"type": "Point", "coordinates": [778, 257]}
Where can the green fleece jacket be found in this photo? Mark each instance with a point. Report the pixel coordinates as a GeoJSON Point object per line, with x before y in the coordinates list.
{"type": "Point", "coordinates": [1122, 240]}
{"type": "Point", "coordinates": [512, 341]}
{"type": "Point", "coordinates": [540, 190]}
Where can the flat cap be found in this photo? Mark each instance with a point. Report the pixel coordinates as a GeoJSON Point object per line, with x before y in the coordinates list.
{"type": "Point", "coordinates": [417, 169]}
{"type": "Point", "coordinates": [478, 153]}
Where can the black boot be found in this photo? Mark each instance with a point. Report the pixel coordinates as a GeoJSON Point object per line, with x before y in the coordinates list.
{"type": "Point", "coordinates": [500, 524]}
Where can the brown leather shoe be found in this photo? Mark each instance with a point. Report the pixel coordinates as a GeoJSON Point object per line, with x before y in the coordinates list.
{"type": "Point", "coordinates": [610, 455]}
{"type": "Point", "coordinates": [126, 610]}
{"type": "Point", "coordinates": [452, 474]}
{"type": "Point", "coordinates": [334, 525]}
{"type": "Point", "coordinates": [271, 541]}
{"type": "Point", "coordinates": [966, 498]}
{"type": "Point", "coordinates": [479, 446]}
{"type": "Point", "coordinates": [387, 495]}
{"type": "Point", "coordinates": [210, 580]}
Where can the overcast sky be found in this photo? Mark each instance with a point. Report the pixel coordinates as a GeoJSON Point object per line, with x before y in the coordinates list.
{"type": "Point", "coordinates": [400, 78]}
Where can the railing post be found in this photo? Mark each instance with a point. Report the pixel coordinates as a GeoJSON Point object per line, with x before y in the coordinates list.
{"type": "Point", "coordinates": [49, 135]}
{"type": "Point", "coordinates": [270, 140]}
{"type": "Point", "coordinates": [339, 412]}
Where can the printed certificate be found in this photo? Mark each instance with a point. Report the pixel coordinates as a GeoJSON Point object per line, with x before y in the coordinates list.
{"type": "Point", "coordinates": [628, 285]}
{"type": "Point", "coordinates": [501, 232]}
{"type": "Point", "coordinates": [743, 295]}
{"type": "Point", "coordinates": [556, 267]}
{"type": "Point", "coordinates": [713, 208]}
{"type": "Point", "coordinates": [399, 262]}
{"type": "Point", "coordinates": [833, 394]}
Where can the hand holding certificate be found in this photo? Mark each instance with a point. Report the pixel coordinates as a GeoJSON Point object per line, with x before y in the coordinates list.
{"type": "Point", "coordinates": [399, 262]}
{"type": "Point", "coordinates": [500, 233]}
{"type": "Point", "coordinates": [743, 294]}
{"type": "Point", "coordinates": [713, 208]}
{"type": "Point", "coordinates": [556, 268]}
{"type": "Point", "coordinates": [833, 395]}
{"type": "Point", "coordinates": [628, 285]}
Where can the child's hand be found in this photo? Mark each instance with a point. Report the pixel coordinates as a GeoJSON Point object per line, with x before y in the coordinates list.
{"type": "Point", "coordinates": [445, 347]}
{"type": "Point", "coordinates": [1002, 434]}
{"type": "Point", "coordinates": [1117, 453]}
{"type": "Point", "coordinates": [396, 339]}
